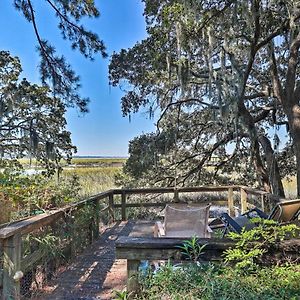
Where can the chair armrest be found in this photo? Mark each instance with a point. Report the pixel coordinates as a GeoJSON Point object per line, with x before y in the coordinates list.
{"type": "Point", "coordinates": [159, 229]}
{"type": "Point", "coordinates": [231, 222]}
{"type": "Point", "coordinates": [259, 212]}
{"type": "Point", "coordinates": [216, 223]}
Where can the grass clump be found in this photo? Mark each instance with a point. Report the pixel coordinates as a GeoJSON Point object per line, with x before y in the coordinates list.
{"type": "Point", "coordinates": [106, 162]}
{"type": "Point", "coordinates": [211, 281]}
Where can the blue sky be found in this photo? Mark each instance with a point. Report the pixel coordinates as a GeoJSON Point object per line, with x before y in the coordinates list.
{"type": "Point", "coordinates": [103, 131]}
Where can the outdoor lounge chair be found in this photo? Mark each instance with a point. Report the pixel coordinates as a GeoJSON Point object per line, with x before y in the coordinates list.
{"type": "Point", "coordinates": [184, 221]}
{"type": "Point", "coordinates": [285, 211]}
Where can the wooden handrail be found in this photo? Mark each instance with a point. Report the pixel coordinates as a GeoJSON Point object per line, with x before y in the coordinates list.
{"type": "Point", "coordinates": [33, 223]}
{"type": "Point", "coordinates": [172, 189]}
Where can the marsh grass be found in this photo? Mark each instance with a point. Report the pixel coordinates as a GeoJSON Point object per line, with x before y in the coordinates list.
{"type": "Point", "coordinates": [94, 174]}
{"type": "Point", "coordinates": [93, 180]}
{"type": "Point", "coordinates": [99, 164]}
{"type": "Point", "coordinates": [98, 161]}
{"type": "Point", "coordinates": [82, 161]}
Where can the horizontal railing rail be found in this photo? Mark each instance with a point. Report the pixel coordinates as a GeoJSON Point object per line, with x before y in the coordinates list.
{"type": "Point", "coordinates": [117, 199]}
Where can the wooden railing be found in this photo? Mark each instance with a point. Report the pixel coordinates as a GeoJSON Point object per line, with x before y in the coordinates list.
{"type": "Point", "coordinates": [14, 264]}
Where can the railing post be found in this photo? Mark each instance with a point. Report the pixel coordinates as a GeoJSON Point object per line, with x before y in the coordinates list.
{"type": "Point", "coordinates": [230, 202]}
{"type": "Point", "coordinates": [244, 204]}
{"type": "Point", "coordinates": [262, 203]}
{"type": "Point", "coordinates": [11, 264]}
{"type": "Point", "coordinates": [69, 220]}
{"type": "Point", "coordinates": [123, 204]}
{"type": "Point", "coordinates": [176, 195]}
{"type": "Point", "coordinates": [1, 261]}
{"type": "Point", "coordinates": [111, 206]}
{"type": "Point", "coordinates": [96, 219]}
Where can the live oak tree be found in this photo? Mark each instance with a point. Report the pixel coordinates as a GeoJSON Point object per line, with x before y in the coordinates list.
{"type": "Point", "coordinates": [228, 73]}
{"type": "Point", "coordinates": [177, 155]}
{"type": "Point", "coordinates": [32, 122]}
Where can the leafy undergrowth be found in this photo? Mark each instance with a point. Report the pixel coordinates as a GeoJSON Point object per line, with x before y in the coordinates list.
{"type": "Point", "coordinates": [23, 194]}
{"type": "Point", "coordinates": [213, 281]}
{"type": "Point", "coordinates": [257, 267]}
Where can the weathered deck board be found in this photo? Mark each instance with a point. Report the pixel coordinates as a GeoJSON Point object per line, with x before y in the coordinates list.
{"type": "Point", "coordinates": [96, 272]}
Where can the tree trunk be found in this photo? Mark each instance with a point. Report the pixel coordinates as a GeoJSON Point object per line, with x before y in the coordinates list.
{"type": "Point", "coordinates": [297, 147]}
{"type": "Point", "coordinates": [272, 167]}
{"type": "Point", "coordinates": [261, 172]}
{"type": "Point", "coordinates": [293, 114]}
{"type": "Point", "coordinates": [298, 167]}
{"type": "Point", "coordinates": [292, 111]}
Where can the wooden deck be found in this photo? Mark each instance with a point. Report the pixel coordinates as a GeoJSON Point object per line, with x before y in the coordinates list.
{"type": "Point", "coordinates": [95, 274]}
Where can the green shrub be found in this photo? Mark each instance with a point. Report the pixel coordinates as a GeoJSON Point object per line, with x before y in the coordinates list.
{"type": "Point", "coordinates": [191, 249]}
{"type": "Point", "coordinates": [254, 272]}
{"type": "Point", "coordinates": [209, 282]}
{"type": "Point", "coordinates": [27, 195]}
{"type": "Point", "coordinates": [257, 246]}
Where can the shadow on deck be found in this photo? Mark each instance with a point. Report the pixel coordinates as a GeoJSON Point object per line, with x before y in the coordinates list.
{"type": "Point", "coordinates": [96, 273]}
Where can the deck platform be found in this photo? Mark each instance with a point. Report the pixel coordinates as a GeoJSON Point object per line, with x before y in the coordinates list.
{"type": "Point", "coordinates": [96, 273]}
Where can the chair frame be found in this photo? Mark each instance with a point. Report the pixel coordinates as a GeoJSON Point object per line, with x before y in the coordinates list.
{"type": "Point", "coordinates": [159, 227]}
{"type": "Point", "coordinates": [230, 222]}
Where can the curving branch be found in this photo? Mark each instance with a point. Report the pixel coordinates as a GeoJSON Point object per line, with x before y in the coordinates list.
{"type": "Point", "coordinates": [64, 17]}
{"type": "Point", "coordinates": [47, 57]}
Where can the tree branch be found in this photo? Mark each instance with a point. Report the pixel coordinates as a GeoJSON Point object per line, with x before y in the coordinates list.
{"type": "Point", "coordinates": [277, 87]}
{"type": "Point", "coordinates": [291, 71]}
{"type": "Point", "coordinates": [64, 17]}
{"type": "Point", "coordinates": [45, 54]}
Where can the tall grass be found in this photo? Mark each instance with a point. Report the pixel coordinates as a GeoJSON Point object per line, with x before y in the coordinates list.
{"type": "Point", "coordinates": [93, 180]}
{"type": "Point", "coordinates": [98, 161]}
{"type": "Point", "coordinates": [82, 161]}
{"type": "Point", "coordinates": [97, 174]}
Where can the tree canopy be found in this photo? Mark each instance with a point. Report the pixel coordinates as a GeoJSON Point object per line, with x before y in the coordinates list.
{"type": "Point", "coordinates": [32, 122]}
{"type": "Point", "coordinates": [226, 73]}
